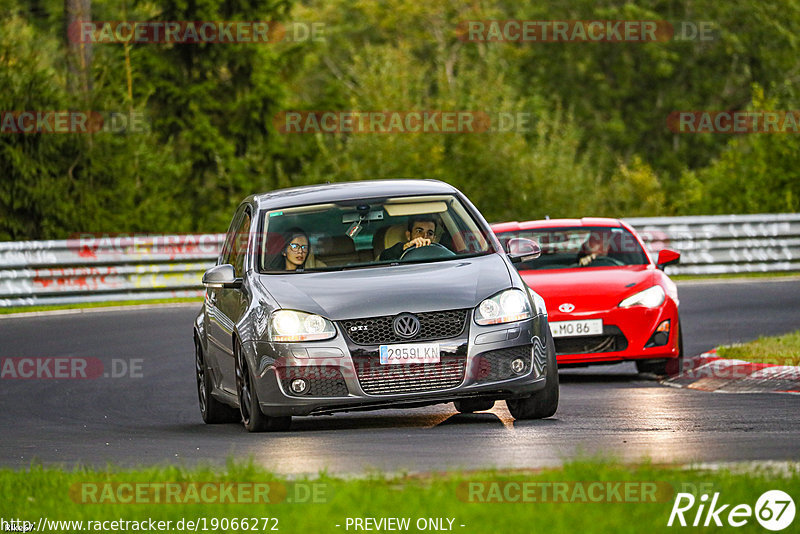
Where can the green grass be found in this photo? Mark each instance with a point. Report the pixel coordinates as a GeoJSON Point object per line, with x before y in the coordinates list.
{"type": "Point", "coordinates": [56, 494]}
{"type": "Point", "coordinates": [27, 309]}
{"type": "Point", "coordinates": [779, 350]}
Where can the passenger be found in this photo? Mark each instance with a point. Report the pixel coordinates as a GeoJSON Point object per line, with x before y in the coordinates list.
{"type": "Point", "coordinates": [296, 250]}
{"type": "Point", "coordinates": [421, 232]}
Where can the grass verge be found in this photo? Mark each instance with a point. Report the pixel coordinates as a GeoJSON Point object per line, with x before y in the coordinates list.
{"type": "Point", "coordinates": [28, 309]}
{"type": "Point", "coordinates": [513, 501]}
{"type": "Point", "coordinates": [778, 350]}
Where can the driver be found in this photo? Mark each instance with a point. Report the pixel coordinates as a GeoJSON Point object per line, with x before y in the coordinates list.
{"type": "Point", "coordinates": [597, 245]}
{"type": "Point", "coordinates": [420, 233]}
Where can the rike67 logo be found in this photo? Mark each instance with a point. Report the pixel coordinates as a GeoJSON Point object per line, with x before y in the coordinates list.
{"type": "Point", "coordinates": [774, 510]}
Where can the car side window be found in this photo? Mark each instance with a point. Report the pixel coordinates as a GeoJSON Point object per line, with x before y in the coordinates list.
{"type": "Point", "coordinates": [227, 245]}
{"type": "Point", "coordinates": [239, 245]}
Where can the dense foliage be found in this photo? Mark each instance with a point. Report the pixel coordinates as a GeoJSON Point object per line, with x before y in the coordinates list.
{"type": "Point", "coordinates": [597, 142]}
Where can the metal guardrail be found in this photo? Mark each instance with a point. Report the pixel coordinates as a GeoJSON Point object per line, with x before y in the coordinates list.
{"type": "Point", "coordinates": [720, 244]}
{"type": "Point", "coordinates": [92, 268]}
{"type": "Point", "coordinates": [107, 268]}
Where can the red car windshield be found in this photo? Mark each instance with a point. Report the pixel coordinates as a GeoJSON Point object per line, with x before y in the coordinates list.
{"type": "Point", "coordinates": [580, 247]}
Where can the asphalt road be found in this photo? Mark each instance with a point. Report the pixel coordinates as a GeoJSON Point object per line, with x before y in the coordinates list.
{"type": "Point", "coordinates": [150, 415]}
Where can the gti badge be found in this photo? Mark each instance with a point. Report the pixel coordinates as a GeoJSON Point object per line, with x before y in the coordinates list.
{"type": "Point", "coordinates": [566, 307]}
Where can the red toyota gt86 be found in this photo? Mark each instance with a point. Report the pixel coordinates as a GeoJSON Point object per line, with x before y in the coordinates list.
{"type": "Point", "coordinates": [606, 299]}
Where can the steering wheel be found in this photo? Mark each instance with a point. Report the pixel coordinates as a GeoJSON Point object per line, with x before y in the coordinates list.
{"type": "Point", "coordinates": [428, 252]}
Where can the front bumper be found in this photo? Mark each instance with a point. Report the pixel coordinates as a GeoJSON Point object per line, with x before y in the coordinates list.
{"type": "Point", "coordinates": [627, 335]}
{"type": "Point", "coordinates": [342, 376]}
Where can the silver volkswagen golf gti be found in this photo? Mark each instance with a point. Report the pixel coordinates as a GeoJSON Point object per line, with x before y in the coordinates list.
{"type": "Point", "coordinates": [368, 295]}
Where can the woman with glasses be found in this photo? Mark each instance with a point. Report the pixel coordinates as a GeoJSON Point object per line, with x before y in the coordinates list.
{"type": "Point", "coordinates": [296, 250]}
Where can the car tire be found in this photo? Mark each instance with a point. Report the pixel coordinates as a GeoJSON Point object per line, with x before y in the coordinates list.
{"type": "Point", "coordinates": [544, 402]}
{"type": "Point", "coordinates": [253, 418]}
{"type": "Point", "coordinates": [473, 405]}
{"type": "Point", "coordinates": [213, 411]}
{"type": "Point", "coordinates": [665, 367]}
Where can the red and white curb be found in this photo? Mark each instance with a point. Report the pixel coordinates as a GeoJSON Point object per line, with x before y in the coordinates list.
{"type": "Point", "coordinates": [709, 372]}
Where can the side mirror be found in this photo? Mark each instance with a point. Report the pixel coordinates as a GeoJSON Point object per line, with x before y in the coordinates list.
{"type": "Point", "coordinates": [221, 276]}
{"type": "Point", "coordinates": [667, 257]}
{"type": "Point", "coordinates": [520, 249]}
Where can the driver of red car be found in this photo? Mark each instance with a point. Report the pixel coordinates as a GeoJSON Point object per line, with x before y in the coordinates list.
{"type": "Point", "coordinates": [598, 244]}
{"type": "Point", "coordinates": [420, 233]}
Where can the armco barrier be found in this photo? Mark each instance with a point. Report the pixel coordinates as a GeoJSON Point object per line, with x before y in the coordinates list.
{"type": "Point", "coordinates": [100, 268]}
{"type": "Point", "coordinates": [104, 268]}
{"type": "Point", "coordinates": [719, 244]}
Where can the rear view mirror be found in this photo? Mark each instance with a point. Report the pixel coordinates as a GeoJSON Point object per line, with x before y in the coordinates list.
{"type": "Point", "coordinates": [361, 216]}
{"type": "Point", "coordinates": [667, 257]}
{"type": "Point", "coordinates": [520, 249]}
{"type": "Point", "coordinates": [221, 276]}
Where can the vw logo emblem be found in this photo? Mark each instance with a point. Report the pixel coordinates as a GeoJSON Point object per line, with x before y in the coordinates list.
{"type": "Point", "coordinates": [566, 307]}
{"type": "Point", "coordinates": [406, 325]}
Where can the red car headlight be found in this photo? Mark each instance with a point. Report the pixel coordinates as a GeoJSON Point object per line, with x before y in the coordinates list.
{"type": "Point", "coordinates": [651, 297]}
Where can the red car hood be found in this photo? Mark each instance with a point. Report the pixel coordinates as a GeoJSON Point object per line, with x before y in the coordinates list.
{"type": "Point", "coordinates": [588, 289]}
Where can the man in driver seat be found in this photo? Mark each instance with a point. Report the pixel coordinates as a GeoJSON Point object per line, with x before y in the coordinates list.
{"type": "Point", "coordinates": [597, 245]}
{"type": "Point", "coordinates": [420, 233]}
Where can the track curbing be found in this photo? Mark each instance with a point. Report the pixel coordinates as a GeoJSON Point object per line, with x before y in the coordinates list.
{"type": "Point", "coordinates": [709, 372]}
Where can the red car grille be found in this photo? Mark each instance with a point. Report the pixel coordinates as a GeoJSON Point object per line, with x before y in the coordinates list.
{"type": "Point", "coordinates": [612, 340]}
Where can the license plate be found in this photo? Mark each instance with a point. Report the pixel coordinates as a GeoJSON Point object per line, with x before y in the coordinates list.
{"type": "Point", "coordinates": [410, 353]}
{"type": "Point", "coordinates": [586, 327]}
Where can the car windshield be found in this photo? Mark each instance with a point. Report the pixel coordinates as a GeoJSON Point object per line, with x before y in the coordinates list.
{"type": "Point", "coordinates": [368, 233]}
{"type": "Point", "coordinates": [585, 247]}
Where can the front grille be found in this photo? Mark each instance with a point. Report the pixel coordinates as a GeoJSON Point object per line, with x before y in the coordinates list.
{"type": "Point", "coordinates": [612, 340]}
{"type": "Point", "coordinates": [495, 365]}
{"type": "Point", "coordinates": [379, 379]}
{"type": "Point", "coordinates": [378, 330]}
{"type": "Point", "coordinates": [322, 381]}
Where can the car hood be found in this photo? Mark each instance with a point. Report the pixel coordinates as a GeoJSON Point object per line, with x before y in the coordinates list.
{"type": "Point", "coordinates": [378, 291]}
{"type": "Point", "coordinates": [589, 289]}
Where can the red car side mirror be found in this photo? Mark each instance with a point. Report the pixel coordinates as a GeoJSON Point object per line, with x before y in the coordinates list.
{"type": "Point", "coordinates": [667, 257]}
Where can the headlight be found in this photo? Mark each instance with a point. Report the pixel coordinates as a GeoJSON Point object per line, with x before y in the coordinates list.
{"type": "Point", "coordinates": [506, 307]}
{"type": "Point", "coordinates": [649, 298]}
{"type": "Point", "coordinates": [288, 326]}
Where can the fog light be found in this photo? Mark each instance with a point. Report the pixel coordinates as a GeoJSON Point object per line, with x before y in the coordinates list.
{"type": "Point", "coordinates": [299, 386]}
{"type": "Point", "coordinates": [518, 366]}
{"type": "Point", "coordinates": [660, 336]}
